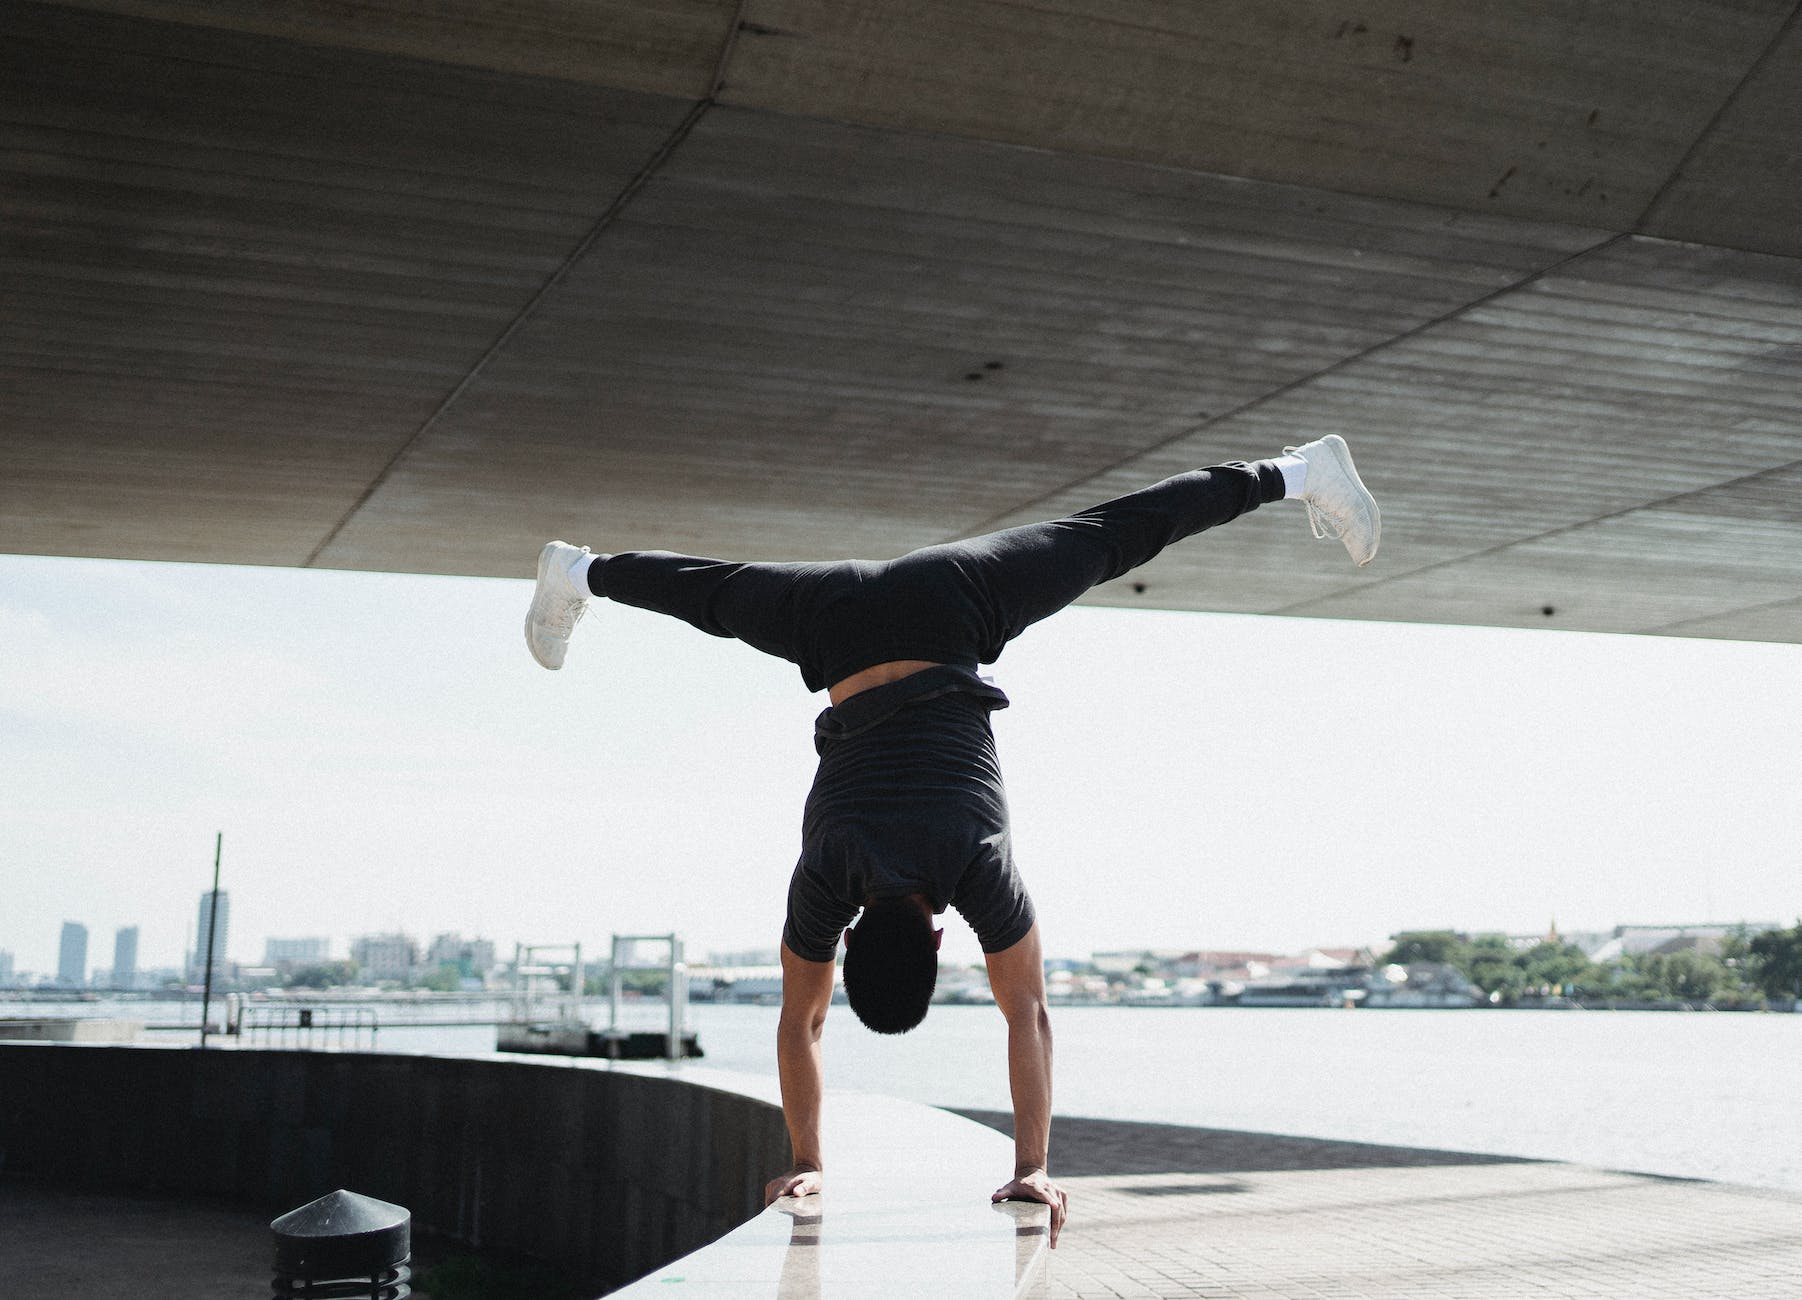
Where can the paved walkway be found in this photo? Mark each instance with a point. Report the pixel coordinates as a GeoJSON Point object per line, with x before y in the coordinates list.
{"type": "Point", "coordinates": [1158, 1210]}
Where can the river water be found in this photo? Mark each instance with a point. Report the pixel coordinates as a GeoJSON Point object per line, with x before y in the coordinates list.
{"type": "Point", "coordinates": [1690, 1095]}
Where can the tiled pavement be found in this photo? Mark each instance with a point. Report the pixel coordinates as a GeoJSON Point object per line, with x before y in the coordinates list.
{"type": "Point", "coordinates": [1157, 1210]}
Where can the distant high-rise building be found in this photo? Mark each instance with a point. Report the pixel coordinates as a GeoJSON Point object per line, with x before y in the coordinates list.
{"type": "Point", "coordinates": [125, 957]}
{"type": "Point", "coordinates": [295, 951]}
{"type": "Point", "coordinates": [6, 970]}
{"type": "Point", "coordinates": [204, 927]}
{"type": "Point", "coordinates": [72, 955]}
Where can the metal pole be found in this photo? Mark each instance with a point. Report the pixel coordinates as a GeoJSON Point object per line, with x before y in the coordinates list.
{"type": "Point", "coordinates": [673, 1047]}
{"type": "Point", "coordinates": [613, 987]}
{"type": "Point", "coordinates": [212, 933]}
{"type": "Point", "coordinates": [682, 997]}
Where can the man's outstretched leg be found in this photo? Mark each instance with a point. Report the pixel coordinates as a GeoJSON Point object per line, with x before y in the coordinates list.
{"type": "Point", "coordinates": [975, 596]}
{"type": "Point", "coordinates": [957, 602]}
{"type": "Point", "coordinates": [770, 607]}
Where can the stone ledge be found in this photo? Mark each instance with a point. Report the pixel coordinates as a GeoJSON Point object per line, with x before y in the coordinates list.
{"type": "Point", "coordinates": [905, 1212]}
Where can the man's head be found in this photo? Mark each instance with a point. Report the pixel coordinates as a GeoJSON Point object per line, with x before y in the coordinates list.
{"type": "Point", "coordinates": [892, 963]}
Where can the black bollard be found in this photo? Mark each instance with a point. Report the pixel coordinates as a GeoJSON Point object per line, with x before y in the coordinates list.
{"type": "Point", "coordinates": [344, 1247]}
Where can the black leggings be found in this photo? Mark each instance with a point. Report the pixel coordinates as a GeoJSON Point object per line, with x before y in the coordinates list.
{"type": "Point", "coordinates": [959, 603]}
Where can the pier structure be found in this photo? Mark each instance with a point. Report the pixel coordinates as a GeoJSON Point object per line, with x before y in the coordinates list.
{"type": "Point", "coordinates": [548, 1013]}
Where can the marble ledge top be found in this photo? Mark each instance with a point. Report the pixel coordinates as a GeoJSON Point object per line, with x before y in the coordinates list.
{"type": "Point", "coordinates": [905, 1212]}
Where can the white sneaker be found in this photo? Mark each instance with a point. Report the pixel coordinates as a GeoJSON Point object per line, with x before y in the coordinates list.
{"type": "Point", "coordinates": [557, 603]}
{"type": "Point", "coordinates": [1339, 505]}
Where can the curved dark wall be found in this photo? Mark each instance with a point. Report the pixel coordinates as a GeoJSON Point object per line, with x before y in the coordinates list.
{"type": "Point", "coordinates": [608, 1173]}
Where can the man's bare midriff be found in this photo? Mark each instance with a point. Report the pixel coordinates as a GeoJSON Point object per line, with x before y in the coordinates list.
{"type": "Point", "coordinates": [876, 675]}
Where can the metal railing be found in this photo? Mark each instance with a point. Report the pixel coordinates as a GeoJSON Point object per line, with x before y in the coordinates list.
{"type": "Point", "coordinates": [305, 1026]}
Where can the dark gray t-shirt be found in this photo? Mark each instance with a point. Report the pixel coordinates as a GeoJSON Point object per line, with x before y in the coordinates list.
{"type": "Point", "coordinates": [908, 799]}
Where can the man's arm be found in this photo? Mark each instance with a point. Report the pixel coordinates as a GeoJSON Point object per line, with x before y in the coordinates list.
{"type": "Point", "coordinates": [806, 996]}
{"type": "Point", "coordinates": [1017, 978]}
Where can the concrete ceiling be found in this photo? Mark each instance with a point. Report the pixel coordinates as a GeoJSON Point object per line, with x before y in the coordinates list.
{"type": "Point", "coordinates": [415, 284]}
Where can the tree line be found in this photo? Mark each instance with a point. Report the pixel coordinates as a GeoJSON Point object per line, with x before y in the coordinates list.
{"type": "Point", "coordinates": [1746, 970]}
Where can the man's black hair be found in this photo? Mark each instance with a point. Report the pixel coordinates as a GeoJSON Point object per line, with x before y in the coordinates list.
{"type": "Point", "coordinates": [891, 965]}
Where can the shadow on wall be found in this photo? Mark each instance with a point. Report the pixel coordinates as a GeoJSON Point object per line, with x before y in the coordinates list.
{"type": "Point", "coordinates": [607, 1174]}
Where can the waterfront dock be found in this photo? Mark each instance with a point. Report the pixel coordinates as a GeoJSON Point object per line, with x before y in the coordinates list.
{"type": "Point", "coordinates": [1156, 1210]}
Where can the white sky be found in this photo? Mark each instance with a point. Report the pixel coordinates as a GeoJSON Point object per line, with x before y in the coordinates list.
{"type": "Point", "coordinates": [381, 753]}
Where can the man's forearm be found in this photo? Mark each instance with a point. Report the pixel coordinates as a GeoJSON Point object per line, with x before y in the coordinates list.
{"type": "Point", "coordinates": [799, 1066]}
{"type": "Point", "coordinates": [1029, 1080]}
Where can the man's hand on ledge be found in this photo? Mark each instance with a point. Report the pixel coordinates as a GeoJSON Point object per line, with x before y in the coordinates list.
{"type": "Point", "coordinates": [1036, 1185]}
{"type": "Point", "coordinates": [802, 1180]}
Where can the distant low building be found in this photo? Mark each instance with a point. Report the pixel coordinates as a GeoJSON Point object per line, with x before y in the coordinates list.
{"type": "Point", "coordinates": [758, 989]}
{"type": "Point", "coordinates": [1307, 986]}
{"type": "Point", "coordinates": [717, 981]}
{"type": "Point", "coordinates": [1422, 984]}
{"type": "Point", "coordinates": [1064, 986]}
{"type": "Point", "coordinates": [383, 958]}
{"type": "Point", "coordinates": [963, 986]}
{"type": "Point", "coordinates": [1633, 940]}
{"type": "Point", "coordinates": [1225, 963]}
{"type": "Point", "coordinates": [296, 952]}
{"type": "Point", "coordinates": [746, 957]}
{"type": "Point", "coordinates": [1588, 942]}
{"type": "Point", "coordinates": [1339, 958]}
{"type": "Point", "coordinates": [1528, 942]}
{"type": "Point", "coordinates": [472, 959]}
{"type": "Point", "coordinates": [1126, 961]}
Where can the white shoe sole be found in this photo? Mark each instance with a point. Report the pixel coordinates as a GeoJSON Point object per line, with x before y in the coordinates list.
{"type": "Point", "coordinates": [1342, 455]}
{"type": "Point", "coordinates": [545, 570]}
{"type": "Point", "coordinates": [532, 645]}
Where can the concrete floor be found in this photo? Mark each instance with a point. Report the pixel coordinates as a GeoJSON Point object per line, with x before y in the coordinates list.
{"type": "Point", "coordinates": [1156, 1210]}
{"type": "Point", "coordinates": [61, 1243]}
{"type": "Point", "coordinates": [1464, 1233]}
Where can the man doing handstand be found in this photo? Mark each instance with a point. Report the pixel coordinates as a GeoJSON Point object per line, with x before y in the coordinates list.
{"type": "Point", "coordinates": [907, 814]}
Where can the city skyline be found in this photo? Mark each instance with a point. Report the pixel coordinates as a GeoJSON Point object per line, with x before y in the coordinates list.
{"type": "Point", "coordinates": [381, 754]}
{"type": "Point", "coordinates": [296, 949]}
